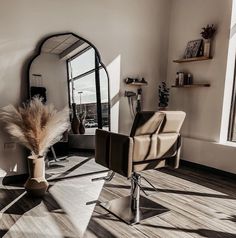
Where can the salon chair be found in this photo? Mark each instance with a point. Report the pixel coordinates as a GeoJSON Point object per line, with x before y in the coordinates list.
{"type": "Point", "coordinates": [154, 143]}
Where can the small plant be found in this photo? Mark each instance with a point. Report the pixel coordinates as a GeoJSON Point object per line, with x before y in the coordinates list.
{"type": "Point", "coordinates": [208, 31]}
{"type": "Point", "coordinates": [163, 95]}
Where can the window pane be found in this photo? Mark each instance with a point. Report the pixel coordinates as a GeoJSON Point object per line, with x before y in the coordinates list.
{"type": "Point", "coordinates": [232, 122]}
{"type": "Point", "coordinates": [82, 63]}
{"type": "Point", "coordinates": [234, 132]}
{"type": "Point", "coordinates": [86, 101]}
{"type": "Point", "coordinates": [104, 98]}
{"type": "Point", "coordinates": [232, 137]}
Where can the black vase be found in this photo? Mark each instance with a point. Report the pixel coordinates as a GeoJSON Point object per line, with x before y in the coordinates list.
{"type": "Point", "coordinates": [75, 124]}
{"type": "Point", "coordinates": [81, 127]}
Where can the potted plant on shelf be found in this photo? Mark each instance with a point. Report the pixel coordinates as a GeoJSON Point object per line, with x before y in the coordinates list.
{"type": "Point", "coordinates": [36, 126]}
{"type": "Point", "coordinates": [207, 34]}
{"type": "Point", "coordinates": [163, 96]}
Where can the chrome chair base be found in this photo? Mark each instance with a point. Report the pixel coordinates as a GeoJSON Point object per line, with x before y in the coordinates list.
{"type": "Point", "coordinates": [122, 208]}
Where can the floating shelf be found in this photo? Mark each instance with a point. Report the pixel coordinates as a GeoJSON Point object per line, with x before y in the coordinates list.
{"type": "Point", "coordinates": [202, 58]}
{"type": "Point", "coordinates": [196, 85]}
{"type": "Point", "coordinates": [137, 84]}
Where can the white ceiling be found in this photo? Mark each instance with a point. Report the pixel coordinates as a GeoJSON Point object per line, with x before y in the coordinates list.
{"type": "Point", "coordinates": [57, 44]}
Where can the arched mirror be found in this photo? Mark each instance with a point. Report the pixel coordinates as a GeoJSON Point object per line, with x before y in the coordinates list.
{"type": "Point", "coordinates": [67, 70]}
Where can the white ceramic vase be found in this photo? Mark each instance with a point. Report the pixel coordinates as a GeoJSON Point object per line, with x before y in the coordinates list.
{"type": "Point", "coordinates": [36, 185]}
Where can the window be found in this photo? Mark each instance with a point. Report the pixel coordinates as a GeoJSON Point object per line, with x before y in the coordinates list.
{"type": "Point", "coordinates": [232, 123]}
{"type": "Point", "coordinates": [83, 63]}
{"type": "Point", "coordinates": [82, 85]}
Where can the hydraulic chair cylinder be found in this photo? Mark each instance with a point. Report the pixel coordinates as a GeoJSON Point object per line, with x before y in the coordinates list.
{"type": "Point", "coordinates": [135, 191]}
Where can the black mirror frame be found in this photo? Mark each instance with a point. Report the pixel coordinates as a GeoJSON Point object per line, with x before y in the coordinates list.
{"type": "Point", "coordinates": [97, 77]}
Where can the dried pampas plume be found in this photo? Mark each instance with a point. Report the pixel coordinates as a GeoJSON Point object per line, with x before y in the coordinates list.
{"type": "Point", "coordinates": [35, 125]}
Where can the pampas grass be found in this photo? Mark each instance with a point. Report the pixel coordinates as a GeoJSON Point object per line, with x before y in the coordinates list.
{"type": "Point", "coordinates": [35, 125]}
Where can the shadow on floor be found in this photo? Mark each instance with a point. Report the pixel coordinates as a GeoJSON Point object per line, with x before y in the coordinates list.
{"type": "Point", "coordinates": [173, 191]}
{"type": "Point", "coordinates": [231, 218]}
{"type": "Point", "coordinates": [57, 165]}
{"type": "Point", "coordinates": [53, 180]}
{"type": "Point", "coordinates": [210, 180]}
{"type": "Point", "coordinates": [202, 232]}
{"type": "Point", "coordinates": [66, 174]}
{"type": "Point", "coordinates": [15, 203]}
{"type": "Point", "coordinates": [98, 230]}
{"type": "Point", "coordinates": [3, 232]}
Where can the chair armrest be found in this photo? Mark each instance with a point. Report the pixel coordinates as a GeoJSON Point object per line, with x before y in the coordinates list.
{"type": "Point", "coordinates": [102, 144]}
{"type": "Point", "coordinates": [114, 151]}
{"type": "Point", "coordinates": [121, 154]}
{"type": "Point", "coordinates": [175, 163]}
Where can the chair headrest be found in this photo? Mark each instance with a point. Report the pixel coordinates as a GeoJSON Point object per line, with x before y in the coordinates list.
{"type": "Point", "coordinates": [147, 123]}
{"type": "Point", "coordinates": [173, 121]}
{"type": "Point", "coordinates": [151, 122]}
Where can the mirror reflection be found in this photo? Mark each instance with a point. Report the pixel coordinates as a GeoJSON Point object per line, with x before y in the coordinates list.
{"type": "Point", "coordinates": [68, 71]}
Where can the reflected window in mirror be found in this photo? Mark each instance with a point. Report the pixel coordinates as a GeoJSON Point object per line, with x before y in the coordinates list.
{"type": "Point", "coordinates": [104, 98]}
{"type": "Point", "coordinates": [82, 84]}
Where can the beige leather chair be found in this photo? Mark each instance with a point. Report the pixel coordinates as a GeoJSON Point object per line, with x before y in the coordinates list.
{"type": "Point", "coordinates": [154, 143]}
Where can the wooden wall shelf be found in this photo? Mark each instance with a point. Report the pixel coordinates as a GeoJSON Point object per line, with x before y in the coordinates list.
{"type": "Point", "coordinates": [197, 85]}
{"type": "Point", "coordinates": [202, 58]}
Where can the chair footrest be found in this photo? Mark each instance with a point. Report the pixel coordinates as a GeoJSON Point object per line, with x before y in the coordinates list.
{"type": "Point", "coordinates": [121, 208]}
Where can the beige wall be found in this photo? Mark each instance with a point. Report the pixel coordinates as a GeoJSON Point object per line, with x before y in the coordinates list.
{"type": "Point", "coordinates": [203, 105]}
{"type": "Point", "coordinates": [131, 36]}
{"type": "Point", "coordinates": [54, 78]}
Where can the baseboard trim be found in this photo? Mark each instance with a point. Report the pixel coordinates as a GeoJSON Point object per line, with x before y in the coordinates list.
{"type": "Point", "coordinates": [207, 168]}
{"type": "Point", "coordinates": [12, 179]}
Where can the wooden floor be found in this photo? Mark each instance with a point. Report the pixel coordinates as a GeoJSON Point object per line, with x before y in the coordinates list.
{"type": "Point", "coordinates": [200, 204]}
